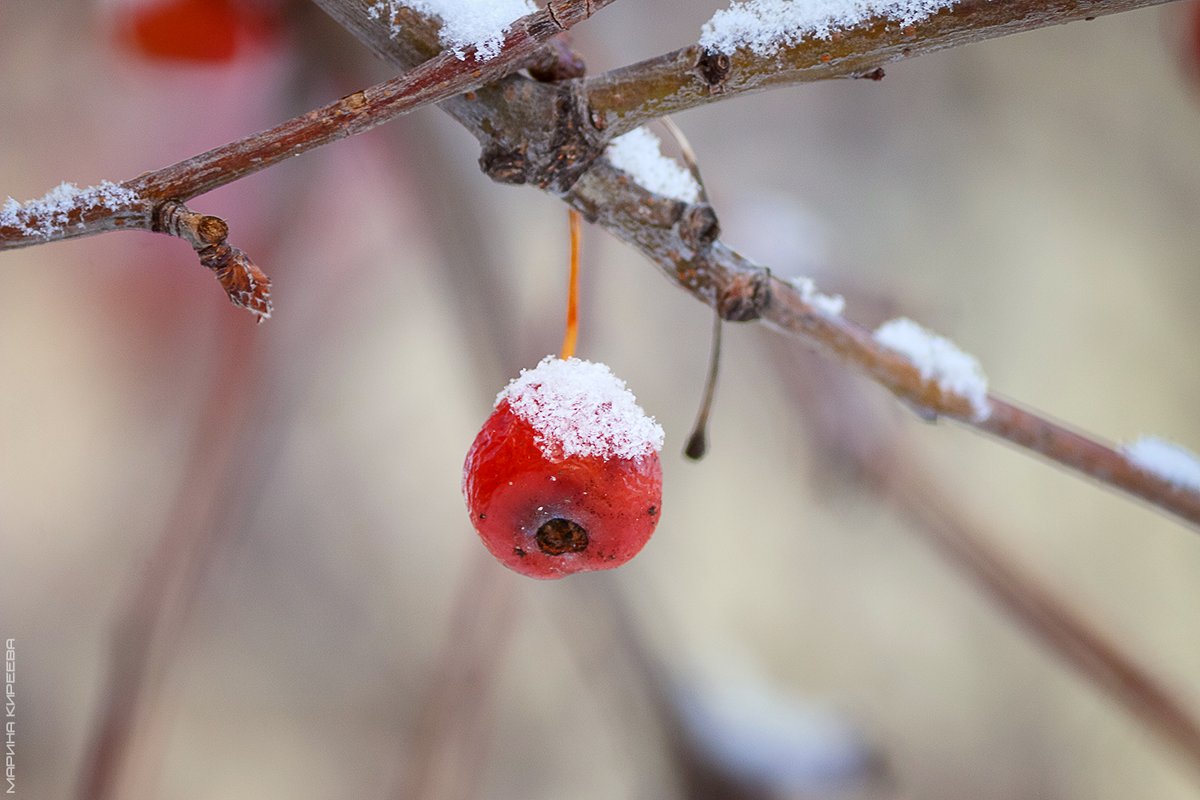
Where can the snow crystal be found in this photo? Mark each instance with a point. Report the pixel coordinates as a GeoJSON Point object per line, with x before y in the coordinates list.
{"type": "Point", "coordinates": [638, 154]}
{"type": "Point", "coordinates": [938, 359]}
{"type": "Point", "coordinates": [579, 408]}
{"type": "Point", "coordinates": [481, 24]}
{"type": "Point", "coordinates": [1173, 463]}
{"type": "Point", "coordinates": [764, 26]}
{"type": "Point", "coordinates": [831, 305]}
{"type": "Point", "coordinates": [49, 215]}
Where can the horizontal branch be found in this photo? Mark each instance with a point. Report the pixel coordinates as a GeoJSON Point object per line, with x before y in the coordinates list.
{"type": "Point", "coordinates": [626, 97]}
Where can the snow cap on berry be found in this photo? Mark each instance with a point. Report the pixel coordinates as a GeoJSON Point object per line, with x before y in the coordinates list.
{"type": "Point", "coordinates": [579, 408]}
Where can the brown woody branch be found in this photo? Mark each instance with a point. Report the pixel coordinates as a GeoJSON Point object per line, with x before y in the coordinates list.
{"type": "Point", "coordinates": [509, 117]}
{"type": "Point", "coordinates": [1066, 632]}
{"type": "Point", "coordinates": [549, 135]}
{"type": "Point", "coordinates": [439, 77]}
{"type": "Point", "coordinates": [626, 97]}
{"type": "Point", "coordinates": [678, 239]}
{"type": "Point", "coordinates": [871, 453]}
{"type": "Point", "coordinates": [681, 239]}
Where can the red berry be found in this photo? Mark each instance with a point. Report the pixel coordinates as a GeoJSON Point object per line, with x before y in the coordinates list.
{"type": "Point", "coordinates": [194, 30]}
{"type": "Point", "coordinates": [564, 476]}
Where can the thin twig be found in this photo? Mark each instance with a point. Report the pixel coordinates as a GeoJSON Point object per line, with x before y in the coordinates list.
{"type": "Point", "coordinates": [152, 623]}
{"type": "Point", "coordinates": [667, 84]}
{"type": "Point", "coordinates": [1052, 621]}
{"type": "Point", "coordinates": [884, 466]}
{"type": "Point", "coordinates": [245, 284]}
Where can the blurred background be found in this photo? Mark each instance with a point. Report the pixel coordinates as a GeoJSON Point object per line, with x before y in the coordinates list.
{"type": "Point", "coordinates": [235, 558]}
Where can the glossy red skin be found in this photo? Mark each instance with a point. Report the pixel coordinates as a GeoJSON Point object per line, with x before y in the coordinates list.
{"type": "Point", "coordinates": [512, 489]}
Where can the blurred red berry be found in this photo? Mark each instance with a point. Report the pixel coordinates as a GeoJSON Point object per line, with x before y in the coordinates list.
{"type": "Point", "coordinates": [1185, 34]}
{"type": "Point", "coordinates": [564, 476]}
{"type": "Point", "coordinates": [204, 31]}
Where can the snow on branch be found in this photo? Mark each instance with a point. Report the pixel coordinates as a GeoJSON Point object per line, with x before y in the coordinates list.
{"type": "Point", "coordinates": [1171, 462]}
{"type": "Point", "coordinates": [637, 154]}
{"type": "Point", "coordinates": [50, 215]}
{"type": "Point", "coordinates": [466, 24]}
{"type": "Point", "coordinates": [765, 26]}
{"type": "Point", "coordinates": [831, 305]}
{"type": "Point", "coordinates": [937, 358]}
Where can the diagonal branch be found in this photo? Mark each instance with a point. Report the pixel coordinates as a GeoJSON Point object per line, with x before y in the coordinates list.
{"type": "Point", "coordinates": [665, 231]}
{"type": "Point", "coordinates": [440, 77]}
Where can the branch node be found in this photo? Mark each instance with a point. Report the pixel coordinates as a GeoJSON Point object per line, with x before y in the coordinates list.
{"type": "Point", "coordinates": [598, 118]}
{"type": "Point", "coordinates": [504, 164]}
{"type": "Point", "coordinates": [556, 61]}
{"type": "Point", "coordinates": [555, 162]}
{"type": "Point", "coordinates": [713, 69]}
{"type": "Point", "coordinates": [699, 227]}
{"type": "Point", "coordinates": [573, 151]}
{"type": "Point", "coordinates": [745, 296]}
{"type": "Point", "coordinates": [212, 230]}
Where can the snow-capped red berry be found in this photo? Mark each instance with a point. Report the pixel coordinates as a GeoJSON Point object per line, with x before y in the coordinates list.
{"type": "Point", "coordinates": [564, 476]}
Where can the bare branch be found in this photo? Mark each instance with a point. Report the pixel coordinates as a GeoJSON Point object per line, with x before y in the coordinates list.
{"type": "Point", "coordinates": [871, 452]}
{"type": "Point", "coordinates": [442, 76]}
{"type": "Point", "coordinates": [1070, 635]}
{"type": "Point", "coordinates": [626, 97]}
{"type": "Point", "coordinates": [436, 79]}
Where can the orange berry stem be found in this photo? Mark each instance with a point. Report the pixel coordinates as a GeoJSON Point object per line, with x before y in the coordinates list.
{"type": "Point", "coordinates": [572, 332]}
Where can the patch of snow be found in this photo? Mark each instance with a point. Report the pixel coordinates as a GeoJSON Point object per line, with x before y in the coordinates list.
{"type": "Point", "coordinates": [579, 408]}
{"type": "Point", "coordinates": [1173, 463]}
{"type": "Point", "coordinates": [831, 305]}
{"type": "Point", "coordinates": [638, 154]}
{"type": "Point", "coordinates": [50, 214]}
{"type": "Point", "coordinates": [938, 358]}
{"type": "Point", "coordinates": [764, 26]}
{"type": "Point", "coordinates": [478, 24]}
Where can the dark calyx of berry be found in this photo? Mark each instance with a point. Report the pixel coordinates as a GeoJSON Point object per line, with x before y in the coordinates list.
{"type": "Point", "coordinates": [560, 536]}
